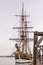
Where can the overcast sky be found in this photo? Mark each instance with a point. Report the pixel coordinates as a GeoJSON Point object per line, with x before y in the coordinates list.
{"type": "Point", "coordinates": [8, 9]}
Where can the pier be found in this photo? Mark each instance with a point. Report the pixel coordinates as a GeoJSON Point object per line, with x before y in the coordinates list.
{"type": "Point", "coordinates": [38, 57]}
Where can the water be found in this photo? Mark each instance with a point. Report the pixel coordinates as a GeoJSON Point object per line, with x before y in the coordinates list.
{"type": "Point", "coordinates": [10, 61]}
{"type": "Point", "coordinates": [7, 61]}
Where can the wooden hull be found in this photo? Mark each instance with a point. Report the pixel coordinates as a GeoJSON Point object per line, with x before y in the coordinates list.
{"type": "Point", "coordinates": [22, 61]}
{"type": "Point", "coordinates": [23, 56]}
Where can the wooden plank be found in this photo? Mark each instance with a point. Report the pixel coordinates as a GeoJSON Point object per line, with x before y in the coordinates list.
{"type": "Point", "coordinates": [38, 33]}
{"type": "Point", "coordinates": [39, 41]}
{"type": "Point", "coordinates": [35, 50]}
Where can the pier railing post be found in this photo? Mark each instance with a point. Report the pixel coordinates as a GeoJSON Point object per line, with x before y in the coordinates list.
{"type": "Point", "coordinates": [35, 49]}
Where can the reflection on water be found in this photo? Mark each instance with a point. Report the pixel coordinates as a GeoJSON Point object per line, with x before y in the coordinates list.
{"type": "Point", "coordinates": [10, 61]}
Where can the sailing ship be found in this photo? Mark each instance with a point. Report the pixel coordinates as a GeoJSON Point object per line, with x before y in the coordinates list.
{"type": "Point", "coordinates": [23, 41]}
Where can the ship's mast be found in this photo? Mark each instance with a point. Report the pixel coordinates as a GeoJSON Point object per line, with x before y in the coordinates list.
{"type": "Point", "coordinates": [23, 31]}
{"type": "Point", "coordinates": [22, 25]}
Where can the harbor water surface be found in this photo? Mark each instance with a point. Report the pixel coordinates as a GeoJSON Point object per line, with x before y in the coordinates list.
{"type": "Point", "coordinates": [10, 61]}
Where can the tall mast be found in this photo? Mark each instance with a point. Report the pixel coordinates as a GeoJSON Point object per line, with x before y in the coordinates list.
{"type": "Point", "coordinates": [23, 30]}
{"type": "Point", "coordinates": [22, 25]}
